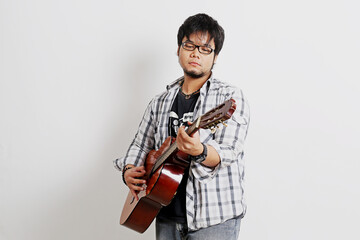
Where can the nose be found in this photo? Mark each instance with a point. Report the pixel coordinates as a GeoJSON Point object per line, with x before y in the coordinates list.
{"type": "Point", "coordinates": [195, 52]}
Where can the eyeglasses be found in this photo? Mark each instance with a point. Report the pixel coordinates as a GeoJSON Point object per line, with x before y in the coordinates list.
{"type": "Point", "coordinates": [202, 49]}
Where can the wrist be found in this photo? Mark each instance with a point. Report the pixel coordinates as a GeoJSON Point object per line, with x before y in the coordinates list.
{"type": "Point", "coordinates": [199, 150]}
{"type": "Point", "coordinates": [123, 173]}
{"type": "Point", "coordinates": [200, 157]}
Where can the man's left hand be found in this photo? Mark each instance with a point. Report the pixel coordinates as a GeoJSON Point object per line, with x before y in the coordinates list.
{"type": "Point", "coordinates": [189, 144]}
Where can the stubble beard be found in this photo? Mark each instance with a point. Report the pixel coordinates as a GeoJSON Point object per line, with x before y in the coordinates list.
{"type": "Point", "coordinates": [196, 75]}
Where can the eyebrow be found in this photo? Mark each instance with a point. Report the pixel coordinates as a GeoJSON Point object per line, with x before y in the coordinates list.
{"type": "Point", "coordinates": [205, 45]}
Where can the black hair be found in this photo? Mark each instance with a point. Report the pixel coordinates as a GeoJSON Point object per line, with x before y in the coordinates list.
{"type": "Point", "coordinates": [202, 23]}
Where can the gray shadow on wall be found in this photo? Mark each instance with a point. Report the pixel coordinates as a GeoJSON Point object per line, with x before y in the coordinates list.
{"type": "Point", "coordinates": [93, 211]}
{"type": "Point", "coordinates": [138, 83]}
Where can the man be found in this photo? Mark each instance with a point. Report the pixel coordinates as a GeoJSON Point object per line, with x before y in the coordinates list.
{"type": "Point", "coordinates": [209, 201]}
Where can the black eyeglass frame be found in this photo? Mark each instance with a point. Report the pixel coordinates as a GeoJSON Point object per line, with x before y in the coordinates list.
{"type": "Point", "coordinates": [196, 46]}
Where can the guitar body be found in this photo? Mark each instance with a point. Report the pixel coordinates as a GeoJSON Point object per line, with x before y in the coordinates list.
{"type": "Point", "coordinates": [161, 188]}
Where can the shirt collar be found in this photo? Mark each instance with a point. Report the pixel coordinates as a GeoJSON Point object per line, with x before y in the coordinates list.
{"type": "Point", "coordinates": [177, 83]}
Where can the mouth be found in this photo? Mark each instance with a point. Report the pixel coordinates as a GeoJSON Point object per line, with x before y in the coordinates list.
{"type": "Point", "coordinates": [194, 64]}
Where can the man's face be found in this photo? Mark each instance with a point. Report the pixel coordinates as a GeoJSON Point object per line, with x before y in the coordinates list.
{"type": "Point", "coordinates": [194, 63]}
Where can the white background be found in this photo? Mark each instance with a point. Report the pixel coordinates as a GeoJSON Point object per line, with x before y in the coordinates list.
{"type": "Point", "coordinates": [76, 76]}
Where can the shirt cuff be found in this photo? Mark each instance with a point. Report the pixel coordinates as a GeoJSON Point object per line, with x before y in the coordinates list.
{"type": "Point", "coordinates": [118, 164]}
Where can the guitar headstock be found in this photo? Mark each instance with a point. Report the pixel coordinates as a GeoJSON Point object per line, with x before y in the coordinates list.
{"type": "Point", "coordinates": [217, 115]}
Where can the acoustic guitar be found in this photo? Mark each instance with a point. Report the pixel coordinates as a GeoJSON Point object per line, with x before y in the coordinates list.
{"type": "Point", "coordinates": [164, 171]}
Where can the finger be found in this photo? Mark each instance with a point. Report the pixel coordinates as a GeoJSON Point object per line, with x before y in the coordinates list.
{"type": "Point", "coordinates": [136, 174]}
{"type": "Point", "coordinates": [136, 187]}
{"type": "Point", "coordinates": [183, 135]}
{"type": "Point", "coordinates": [134, 194]}
{"type": "Point", "coordinates": [138, 169]}
{"type": "Point", "coordinates": [181, 129]}
{"type": "Point", "coordinates": [183, 141]}
{"type": "Point", "coordinates": [133, 179]}
{"type": "Point", "coordinates": [137, 181]}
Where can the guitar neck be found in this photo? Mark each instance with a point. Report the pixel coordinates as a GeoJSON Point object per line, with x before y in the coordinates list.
{"type": "Point", "coordinates": [173, 147]}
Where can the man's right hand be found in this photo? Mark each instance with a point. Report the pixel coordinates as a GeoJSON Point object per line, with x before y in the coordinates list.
{"type": "Point", "coordinates": [133, 179]}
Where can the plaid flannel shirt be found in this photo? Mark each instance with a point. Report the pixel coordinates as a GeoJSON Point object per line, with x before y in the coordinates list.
{"type": "Point", "coordinates": [213, 195]}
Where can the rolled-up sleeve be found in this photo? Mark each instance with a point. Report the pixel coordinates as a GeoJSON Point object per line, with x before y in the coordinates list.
{"type": "Point", "coordinates": [228, 141]}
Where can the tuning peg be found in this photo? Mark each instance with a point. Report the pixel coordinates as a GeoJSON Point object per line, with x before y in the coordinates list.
{"type": "Point", "coordinates": [224, 124]}
{"type": "Point", "coordinates": [213, 130]}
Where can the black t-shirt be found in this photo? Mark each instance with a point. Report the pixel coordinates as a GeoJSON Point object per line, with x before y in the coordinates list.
{"type": "Point", "coordinates": [181, 112]}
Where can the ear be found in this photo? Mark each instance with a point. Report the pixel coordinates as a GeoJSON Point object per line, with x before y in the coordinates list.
{"type": "Point", "coordinates": [215, 58]}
